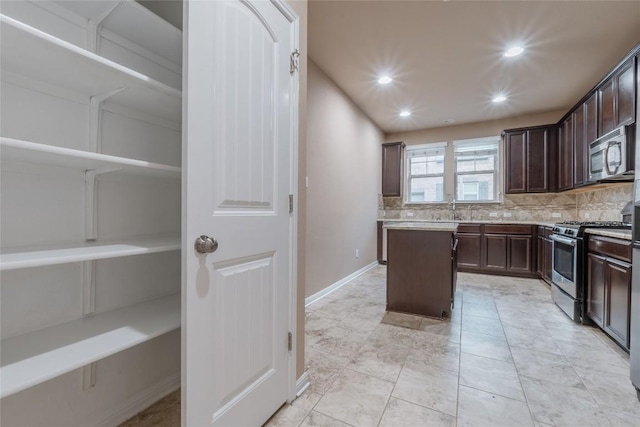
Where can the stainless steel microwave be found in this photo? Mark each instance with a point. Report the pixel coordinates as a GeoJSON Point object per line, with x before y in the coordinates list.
{"type": "Point", "coordinates": [610, 156]}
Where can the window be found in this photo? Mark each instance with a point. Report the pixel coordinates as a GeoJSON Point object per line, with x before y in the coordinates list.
{"type": "Point", "coordinates": [425, 167]}
{"type": "Point", "coordinates": [476, 169]}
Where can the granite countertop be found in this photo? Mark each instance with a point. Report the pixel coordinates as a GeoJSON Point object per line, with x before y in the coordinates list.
{"type": "Point", "coordinates": [619, 234]}
{"type": "Point", "coordinates": [501, 221]}
{"type": "Point", "coordinates": [423, 226]}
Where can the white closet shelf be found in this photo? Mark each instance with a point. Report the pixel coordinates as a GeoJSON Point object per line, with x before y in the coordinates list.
{"type": "Point", "coordinates": [29, 52]}
{"type": "Point", "coordinates": [32, 152]}
{"type": "Point", "coordinates": [136, 23]}
{"type": "Point", "coordinates": [38, 356]}
{"type": "Point", "coordinates": [37, 256]}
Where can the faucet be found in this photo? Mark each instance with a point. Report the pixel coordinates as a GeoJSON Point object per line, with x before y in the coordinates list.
{"type": "Point", "coordinates": [452, 204]}
{"type": "Point", "coordinates": [470, 212]}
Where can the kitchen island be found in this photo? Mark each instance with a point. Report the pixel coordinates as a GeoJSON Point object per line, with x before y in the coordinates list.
{"type": "Point", "coordinates": [421, 268]}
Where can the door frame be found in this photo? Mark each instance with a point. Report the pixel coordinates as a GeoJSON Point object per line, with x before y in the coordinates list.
{"type": "Point", "coordinates": [293, 17]}
{"type": "Point", "coordinates": [294, 108]}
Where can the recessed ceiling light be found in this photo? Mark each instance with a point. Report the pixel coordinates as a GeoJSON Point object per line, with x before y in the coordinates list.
{"type": "Point", "coordinates": [499, 98]}
{"type": "Point", "coordinates": [513, 51]}
{"type": "Point", "coordinates": [405, 113]}
{"type": "Point", "coordinates": [385, 80]}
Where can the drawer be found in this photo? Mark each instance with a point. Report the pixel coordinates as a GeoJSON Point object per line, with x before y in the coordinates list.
{"type": "Point", "coordinates": [469, 228]}
{"type": "Point", "coordinates": [616, 248]}
{"type": "Point", "coordinates": [507, 229]}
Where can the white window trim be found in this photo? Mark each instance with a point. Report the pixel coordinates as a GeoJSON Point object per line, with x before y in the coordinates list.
{"type": "Point", "coordinates": [407, 168]}
{"type": "Point", "coordinates": [497, 181]}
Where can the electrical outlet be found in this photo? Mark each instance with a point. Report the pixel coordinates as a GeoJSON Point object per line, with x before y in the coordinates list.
{"type": "Point", "coordinates": [556, 215]}
{"type": "Point", "coordinates": [306, 181]}
{"type": "Point", "coordinates": [506, 214]}
{"type": "Point", "coordinates": [357, 254]}
{"type": "Point", "coordinates": [409, 214]}
{"type": "Point", "coordinates": [493, 214]}
{"type": "Point", "coordinates": [587, 215]}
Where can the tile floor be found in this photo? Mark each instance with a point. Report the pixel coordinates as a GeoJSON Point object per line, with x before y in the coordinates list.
{"type": "Point", "coordinates": [508, 357]}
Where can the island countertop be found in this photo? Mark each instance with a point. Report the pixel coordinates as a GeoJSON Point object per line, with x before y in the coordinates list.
{"type": "Point", "coordinates": [422, 226]}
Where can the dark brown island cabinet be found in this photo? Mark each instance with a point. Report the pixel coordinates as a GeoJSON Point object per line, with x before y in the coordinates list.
{"type": "Point", "coordinates": [392, 162]}
{"type": "Point", "coordinates": [530, 159]}
{"type": "Point", "coordinates": [505, 249]}
{"type": "Point", "coordinates": [421, 268]}
{"type": "Point", "coordinates": [609, 286]}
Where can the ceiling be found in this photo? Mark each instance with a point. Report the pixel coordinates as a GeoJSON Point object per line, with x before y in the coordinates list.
{"type": "Point", "coordinates": [446, 57]}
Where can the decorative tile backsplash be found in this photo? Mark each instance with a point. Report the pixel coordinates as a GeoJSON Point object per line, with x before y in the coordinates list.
{"type": "Point", "coordinates": [604, 204]}
{"type": "Point", "coordinates": [599, 204]}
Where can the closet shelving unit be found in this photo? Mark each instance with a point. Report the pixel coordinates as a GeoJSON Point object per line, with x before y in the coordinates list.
{"type": "Point", "coordinates": [147, 50]}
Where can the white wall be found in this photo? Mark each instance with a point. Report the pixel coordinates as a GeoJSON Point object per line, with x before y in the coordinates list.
{"type": "Point", "coordinates": [344, 166]}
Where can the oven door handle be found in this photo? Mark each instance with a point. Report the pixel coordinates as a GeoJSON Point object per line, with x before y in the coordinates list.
{"type": "Point", "coordinates": [564, 240]}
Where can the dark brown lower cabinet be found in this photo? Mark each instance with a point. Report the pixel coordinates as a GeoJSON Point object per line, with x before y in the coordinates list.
{"type": "Point", "coordinates": [596, 278]}
{"type": "Point", "coordinates": [520, 258]}
{"type": "Point", "coordinates": [618, 301]}
{"type": "Point", "coordinates": [506, 249]}
{"type": "Point", "coordinates": [548, 260]}
{"type": "Point", "coordinates": [379, 225]}
{"type": "Point", "coordinates": [609, 287]}
{"type": "Point", "coordinates": [469, 250]}
{"type": "Point", "coordinates": [544, 255]}
{"type": "Point", "coordinates": [496, 252]}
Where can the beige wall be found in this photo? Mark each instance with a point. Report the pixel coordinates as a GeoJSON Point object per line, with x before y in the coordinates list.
{"type": "Point", "coordinates": [343, 165]}
{"type": "Point", "coordinates": [300, 7]}
{"type": "Point", "coordinates": [473, 130]}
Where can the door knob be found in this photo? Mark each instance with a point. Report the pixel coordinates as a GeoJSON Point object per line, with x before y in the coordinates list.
{"type": "Point", "coordinates": [205, 245]}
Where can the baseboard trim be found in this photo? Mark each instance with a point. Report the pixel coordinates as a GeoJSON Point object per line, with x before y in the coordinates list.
{"type": "Point", "coordinates": [141, 401]}
{"type": "Point", "coordinates": [303, 383]}
{"type": "Point", "coordinates": [337, 285]}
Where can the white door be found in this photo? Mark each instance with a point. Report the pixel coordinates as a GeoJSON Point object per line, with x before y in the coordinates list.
{"type": "Point", "coordinates": [239, 136]}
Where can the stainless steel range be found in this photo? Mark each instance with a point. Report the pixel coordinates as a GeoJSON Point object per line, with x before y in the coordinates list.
{"type": "Point", "coordinates": [569, 261]}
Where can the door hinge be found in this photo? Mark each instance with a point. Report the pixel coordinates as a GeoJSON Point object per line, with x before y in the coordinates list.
{"type": "Point", "coordinates": [293, 61]}
{"type": "Point", "coordinates": [290, 341]}
{"type": "Point", "coordinates": [290, 203]}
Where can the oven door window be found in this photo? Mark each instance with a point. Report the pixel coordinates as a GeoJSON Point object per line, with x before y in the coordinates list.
{"type": "Point", "coordinates": [563, 260]}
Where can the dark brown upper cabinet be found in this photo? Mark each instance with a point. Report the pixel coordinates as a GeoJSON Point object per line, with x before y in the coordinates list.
{"type": "Point", "coordinates": [565, 155]}
{"type": "Point", "coordinates": [392, 170]}
{"type": "Point", "coordinates": [580, 147]}
{"type": "Point", "coordinates": [585, 131]}
{"type": "Point", "coordinates": [529, 159]}
{"type": "Point", "coordinates": [616, 98]}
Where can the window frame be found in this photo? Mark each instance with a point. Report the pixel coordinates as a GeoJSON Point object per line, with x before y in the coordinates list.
{"type": "Point", "coordinates": [497, 191]}
{"type": "Point", "coordinates": [408, 177]}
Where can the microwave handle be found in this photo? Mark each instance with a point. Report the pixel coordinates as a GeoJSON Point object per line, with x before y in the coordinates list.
{"type": "Point", "coordinates": [564, 240]}
{"type": "Point", "coordinates": [606, 157]}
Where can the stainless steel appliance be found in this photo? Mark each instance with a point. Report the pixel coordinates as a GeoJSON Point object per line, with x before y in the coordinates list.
{"type": "Point", "coordinates": [568, 264]}
{"type": "Point", "coordinates": [610, 156]}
